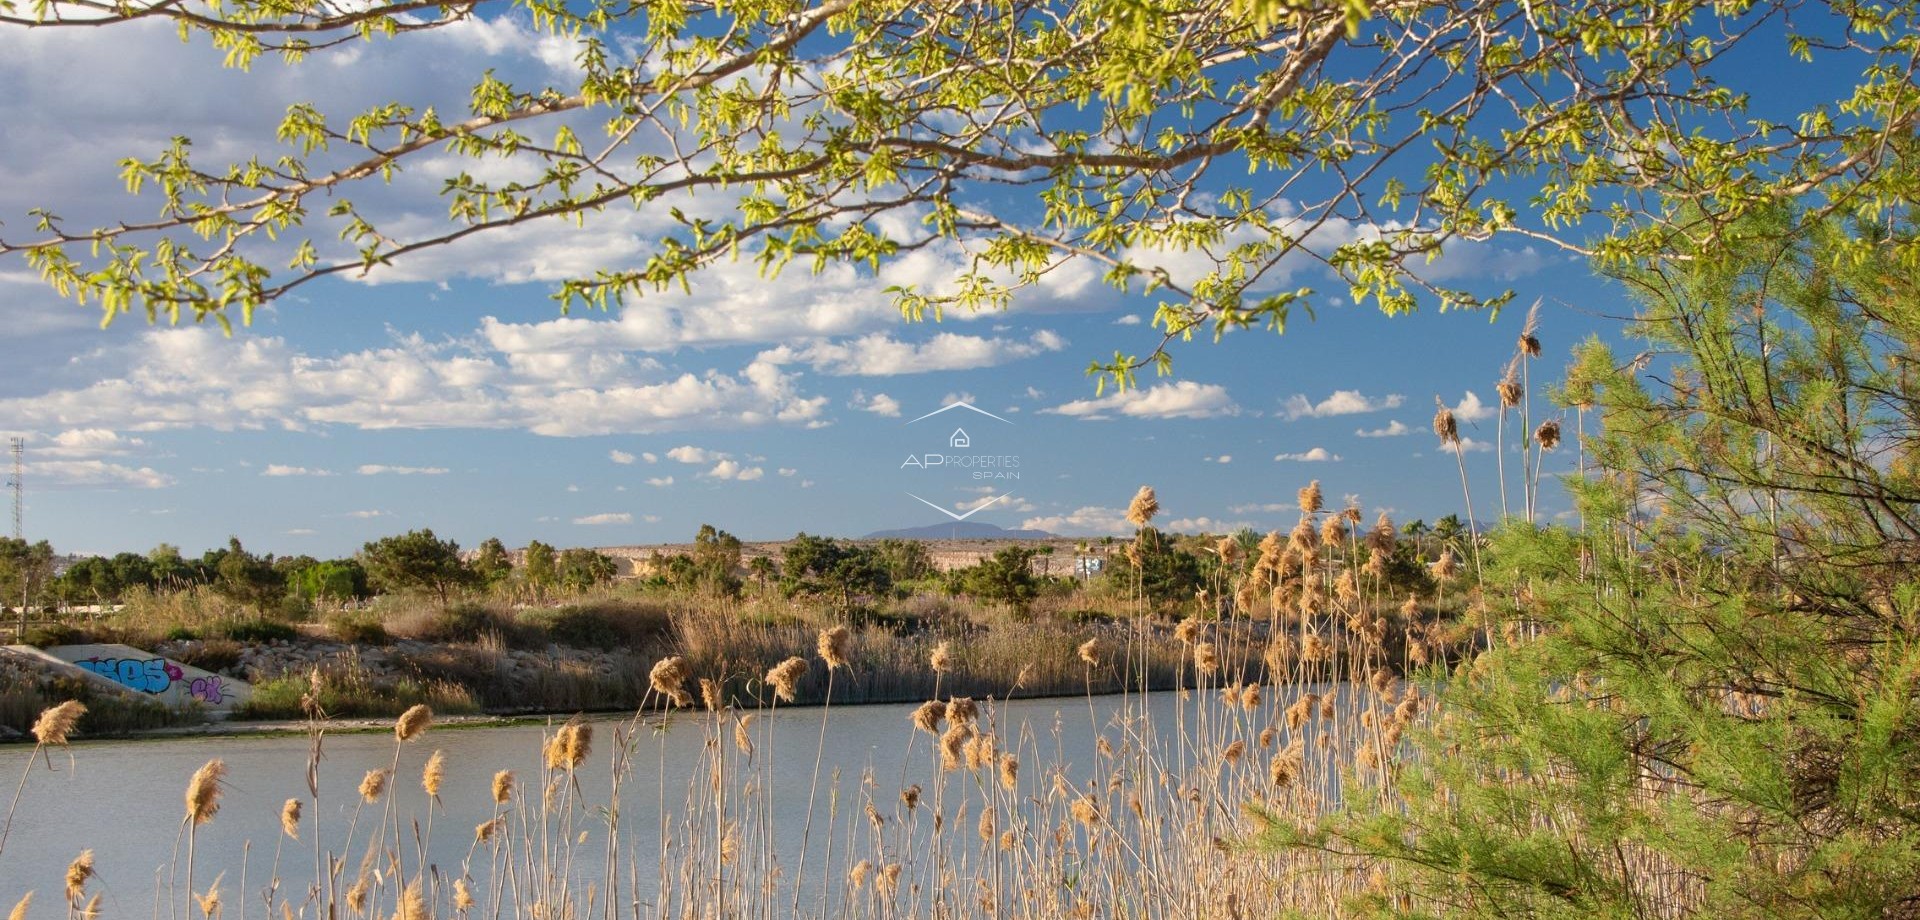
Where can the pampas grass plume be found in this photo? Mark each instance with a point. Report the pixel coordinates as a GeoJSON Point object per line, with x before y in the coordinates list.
{"type": "Point", "coordinates": [433, 773]}
{"type": "Point", "coordinates": [413, 722]}
{"type": "Point", "coordinates": [290, 819]}
{"type": "Point", "coordinates": [832, 646]}
{"type": "Point", "coordinates": [57, 722]}
{"type": "Point", "coordinates": [373, 785]}
{"type": "Point", "coordinates": [203, 791]}
{"type": "Point", "coordinates": [784, 678]}
{"type": "Point", "coordinates": [1144, 506]}
{"type": "Point", "coordinates": [1445, 426]}
{"type": "Point", "coordinates": [78, 872]}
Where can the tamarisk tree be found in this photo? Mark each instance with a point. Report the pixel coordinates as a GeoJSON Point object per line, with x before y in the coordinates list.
{"type": "Point", "coordinates": [1192, 150]}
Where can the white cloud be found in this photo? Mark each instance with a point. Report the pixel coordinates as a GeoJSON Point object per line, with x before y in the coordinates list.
{"type": "Point", "coordinates": [660, 482]}
{"type": "Point", "coordinates": [787, 471]}
{"type": "Point", "coordinates": [1316, 455]}
{"type": "Point", "coordinates": [1087, 521]}
{"type": "Point", "coordinates": [378, 469]}
{"type": "Point", "coordinates": [1394, 429]}
{"type": "Point", "coordinates": [688, 453]}
{"type": "Point", "coordinates": [1342, 402]}
{"type": "Point", "coordinates": [621, 457]}
{"type": "Point", "coordinates": [881, 355]}
{"type": "Point", "coordinates": [960, 397]}
{"type": "Point", "coordinates": [81, 443]}
{"type": "Point", "coordinates": [367, 514]}
{"type": "Point", "coordinates": [88, 474]}
{"type": "Point", "coordinates": [650, 457]}
{"type": "Point", "coordinates": [301, 532]}
{"type": "Point", "coordinates": [731, 469]}
{"type": "Point", "coordinates": [1262, 508]}
{"type": "Point", "coordinates": [999, 503]}
{"type": "Point", "coordinates": [281, 469]}
{"type": "Point", "coordinates": [1471, 409]}
{"type": "Point", "coordinates": [1223, 458]}
{"type": "Point", "coordinates": [182, 378]}
{"type": "Point", "coordinates": [1469, 446]}
{"type": "Point", "coordinates": [621, 517]}
{"type": "Point", "coordinates": [1131, 319]}
{"type": "Point", "coordinates": [1204, 524]}
{"type": "Point", "coordinates": [879, 404]}
{"type": "Point", "coordinates": [1185, 399]}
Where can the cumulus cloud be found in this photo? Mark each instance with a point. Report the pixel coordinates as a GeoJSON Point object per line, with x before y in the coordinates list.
{"type": "Point", "coordinates": [84, 443]}
{"type": "Point", "coordinates": [621, 457]}
{"type": "Point", "coordinates": [181, 378]}
{"type": "Point", "coordinates": [1315, 455]}
{"type": "Point", "coordinates": [1131, 319]}
{"type": "Point", "coordinates": [1185, 399]}
{"type": "Point", "coordinates": [1092, 520]}
{"type": "Point", "coordinates": [1204, 524]}
{"type": "Point", "coordinates": [733, 470]}
{"type": "Point", "coordinates": [301, 532]}
{"type": "Point", "coordinates": [879, 404]}
{"type": "Point", "coordinates": [364, 515]}
{"type": "Point", "coordinates": [1223, 458]}
{"type": "Point", "coordinates": [650, 457]}
{"type": "Point", "coordinates": [660, 482]}
{"type": "Point", "coordinates": [1342, 402]}
{"type": "Point", "coordinates": [611, 517]}
{"type": "Point", "coordinates": [687, 453]}
{"type": "Point", "coordinates": [882, 355]}
{"type": "Point", "coordinates": [281, 469]}
{"type": "Point", "coordinates": [93, 474]}
{"type": "Point", "coordinates": [1471, 409]}
{"type": "Point", "coordinates": [381, 469]}
{"type": "Point", "coordinates": [1393, 429]}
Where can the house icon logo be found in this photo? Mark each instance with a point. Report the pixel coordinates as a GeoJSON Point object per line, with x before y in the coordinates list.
{"type": "Point", "coordinates": [960, 438]}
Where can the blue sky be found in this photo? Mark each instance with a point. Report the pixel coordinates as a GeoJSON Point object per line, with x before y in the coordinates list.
{"type": "Point", "coordinates": [450, 394]}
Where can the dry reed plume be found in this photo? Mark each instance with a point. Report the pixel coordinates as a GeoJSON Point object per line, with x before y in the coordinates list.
{"type": "Point", "coordinates": [412, 723]}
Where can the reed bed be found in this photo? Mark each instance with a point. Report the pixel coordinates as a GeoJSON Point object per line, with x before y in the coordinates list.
{"type": "Point", "coordinates": [1282, 707]}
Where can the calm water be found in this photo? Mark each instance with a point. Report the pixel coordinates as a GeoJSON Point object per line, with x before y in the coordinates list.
{"type": "Point", "coordinates": [125, 799]}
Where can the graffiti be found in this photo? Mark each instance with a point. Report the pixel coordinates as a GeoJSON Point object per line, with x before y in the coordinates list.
{"type": "Point", "coordinates": [152, 675]}
{"type": "Point", "coordinates": [209, 689]}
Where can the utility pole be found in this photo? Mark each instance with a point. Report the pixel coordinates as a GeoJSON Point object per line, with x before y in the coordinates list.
{"type": "Point", "coordinates": [19, 448]}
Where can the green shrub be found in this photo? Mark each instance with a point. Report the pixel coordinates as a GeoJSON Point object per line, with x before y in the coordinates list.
{"type": "Point", "coordinates": [358, 627]}
{"type": "Point", "coordinates": [603, 624]}
{"type": "Point", "coordinates": [468, 622]}
{"type": "Point", "coordinates": [256, 631]}
{"type": "Point", "coordinates": [351, 693]}
{"type": "Point", "coordinates": [180, 634]}
{"type": "Point", "coordinates": [213, 655]}
{"type": "Point", "coordinates": [57, 634]}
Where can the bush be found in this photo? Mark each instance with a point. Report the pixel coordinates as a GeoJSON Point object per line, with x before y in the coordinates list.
{"type": "Point", "coordinates": [467, 622]}
{"type": "Point", "coordinates": [350, 692]}
{"type": "Point", "coordinates": [256, 631]}
{"type": "Point", "coordinates": [358, 627]}
{"type": "Point", "coordinates": [604, 624]}
{"type": "Point", "coordinates": [215, 655]}
{"type": "Point", "coordinates": [56, 634]}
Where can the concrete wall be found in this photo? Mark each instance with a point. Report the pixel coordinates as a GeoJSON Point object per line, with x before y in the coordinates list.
{"type": "Point", "coordinates": [155, 677]}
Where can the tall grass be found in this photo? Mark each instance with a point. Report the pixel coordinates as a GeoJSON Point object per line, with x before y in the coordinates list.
{"type": "Point", "coordinates": [1278, 711]}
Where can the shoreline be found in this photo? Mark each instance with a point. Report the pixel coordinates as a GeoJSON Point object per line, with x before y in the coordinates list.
{"type": "Point", "coordinates": [281, 728]}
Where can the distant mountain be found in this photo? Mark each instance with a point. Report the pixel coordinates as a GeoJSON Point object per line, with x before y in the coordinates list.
{"type": "Point", "coordinates": [959, 530]}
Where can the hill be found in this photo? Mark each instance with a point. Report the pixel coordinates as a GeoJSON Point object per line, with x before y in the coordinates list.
{"type": "Point", "coordinates": [959, 530]}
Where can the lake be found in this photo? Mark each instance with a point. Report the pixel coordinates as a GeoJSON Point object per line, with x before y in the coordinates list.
{"type": "Point", "coordinates": [125, 799]}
